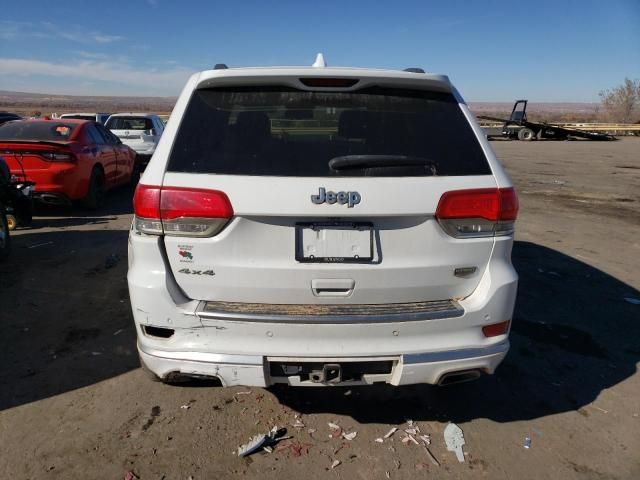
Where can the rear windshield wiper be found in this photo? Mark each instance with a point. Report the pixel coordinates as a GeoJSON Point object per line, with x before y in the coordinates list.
{"type": "Point", "coordinates": [354, 162]}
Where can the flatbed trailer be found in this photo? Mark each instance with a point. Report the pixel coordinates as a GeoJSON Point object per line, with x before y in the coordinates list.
{"type": "Point", "coordinates": [518, 127]}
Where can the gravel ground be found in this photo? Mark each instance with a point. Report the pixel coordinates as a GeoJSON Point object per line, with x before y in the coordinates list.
{"type": "Point", "coordinates": [74, 403]}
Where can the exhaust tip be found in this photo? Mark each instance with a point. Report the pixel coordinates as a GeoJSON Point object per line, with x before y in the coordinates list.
{"type": "Point", "coordinates": [459, 377]}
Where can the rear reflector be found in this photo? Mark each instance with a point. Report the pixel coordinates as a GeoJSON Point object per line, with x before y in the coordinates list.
{"type": "Point", "coordinates": [480, 212]}
{"type": "Point", "coordinates": [496, 329]}
{"type": "Point", "coordinates": [180, 211]}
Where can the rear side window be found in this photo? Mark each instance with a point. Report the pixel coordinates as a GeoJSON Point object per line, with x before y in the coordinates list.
{"type": "Point", "coordinates": [36, 131]}
{"type": "Point", "coordinates": [129, 123]}
{"type": "Point", "coordinates": [287, 132]}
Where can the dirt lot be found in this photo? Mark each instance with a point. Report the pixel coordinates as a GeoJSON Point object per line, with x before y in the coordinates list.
{"type": "Point", "coordinates": [74, 404]}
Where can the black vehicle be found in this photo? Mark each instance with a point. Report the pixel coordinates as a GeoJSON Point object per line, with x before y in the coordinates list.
{"type": "Point", "coordinates": [16, 207]}
{"type": "Point", "coordinates": [517, 126]}
{"type": "Point", "coordinates": [8, 116]}
{"type": "Point", "coordinates": [5, 180]}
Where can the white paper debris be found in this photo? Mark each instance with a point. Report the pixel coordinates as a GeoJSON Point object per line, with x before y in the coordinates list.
{"type": "Point", "coordinates": [349, 436]}
{"type": "Point", "coordinates": [335, 464]}
{"type": "Point", "coordinates": [379, 440]}
{"type": "Point", "coordinates": [454, 438]}
{"type": "Point", "coordinates": [333, 426]}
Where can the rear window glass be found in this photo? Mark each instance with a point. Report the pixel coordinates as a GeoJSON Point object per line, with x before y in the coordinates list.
{"type": "Point", "coordinates": [287, 132]}
{"type": "Point", "coordinates": [80, 117]}
{"type": "Point", "coordinates": [129, 123]}
{"type": "Point", "coordinates": [35, 131]}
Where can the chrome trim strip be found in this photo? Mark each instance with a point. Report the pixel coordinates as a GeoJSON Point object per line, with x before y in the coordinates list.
{"type": "Point", "coordinates": [449, 355]}
{"type": "Point", "coordinates": [205, 357]}
{"type": "Point", "coordinates": [453, 312]}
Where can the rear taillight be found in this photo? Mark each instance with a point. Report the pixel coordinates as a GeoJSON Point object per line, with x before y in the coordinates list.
{"type": "Point", "coordinates": [180, 211]}
{"type": "Point", "coordinates": [483, 212]}
{"type": "Point", "coordinates": [58, 156]}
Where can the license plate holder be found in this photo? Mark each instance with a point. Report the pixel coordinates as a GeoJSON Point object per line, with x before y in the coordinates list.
{"type": "Point", "coordinates": [334, 242]}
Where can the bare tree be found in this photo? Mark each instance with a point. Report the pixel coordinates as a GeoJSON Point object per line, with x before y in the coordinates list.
{"type": "Point", "coordinates": [622, 103]}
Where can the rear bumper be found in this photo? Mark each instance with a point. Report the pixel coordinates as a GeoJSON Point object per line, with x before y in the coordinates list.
{"type": "Point", "coordinates": [239, 351]}
{"type": "Point", "coordinates": [253, 370]}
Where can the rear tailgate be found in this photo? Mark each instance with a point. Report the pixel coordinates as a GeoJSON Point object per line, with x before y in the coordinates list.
{"type": "Point", "coordinates": [254, 258]}
{"type": "Point", "coordinates": [268, 150]}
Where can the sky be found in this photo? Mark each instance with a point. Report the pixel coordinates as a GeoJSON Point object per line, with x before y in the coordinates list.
{"type": "Point", "coordinates": [493, 51]}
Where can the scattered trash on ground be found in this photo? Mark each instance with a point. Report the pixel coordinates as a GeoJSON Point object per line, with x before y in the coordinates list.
{"type": "Point", "coordinates": [36, 245]}
{"type": "Point", "coordinates": [129, 475]}
{"type": "Point", "coordinates": [258, 442]}
{"type": "Point", "coordinates": [248, 392]}
{"type": "Point", "coordinates": [426, 439]}
{"type": "Point", "coordinates": [349, 436]}
{"type": "Point", "coordinates": [390, 432]}
{"type": "Point", "coordinates": [409, 438]}
{"type": "Point", "coordinates": [335, 464]}
{"type": "Point", "coordinates": [600, 409]}
{"type": "Point", "coordinates": [300, 449]}
{"type": "Point", "coordinates": [379, 440]}
{"type": "Point", "coordinates": [527, 442]}
{"type": "Point", "coordinates": [336, 430]}
{"type": "Point", "coordinates": [454, 438]}
{"type": "Point", "coordinates": [297, 422]}
{"type": "Point", "coordinates": [432, 458]}
{"type": "Point", "coordinates": [632, 300]}
{"type": "Point", "coordinates": [186, 406]}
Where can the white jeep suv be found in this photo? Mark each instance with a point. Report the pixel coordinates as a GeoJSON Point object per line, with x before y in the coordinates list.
{"type": "Point", "coordinates": [139, 131]}
{"type": "Point", "coordinates": [316, 225]}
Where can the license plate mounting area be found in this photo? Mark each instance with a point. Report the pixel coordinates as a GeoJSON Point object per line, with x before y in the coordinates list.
{"type": "Point", "coordinates": [334, 242]}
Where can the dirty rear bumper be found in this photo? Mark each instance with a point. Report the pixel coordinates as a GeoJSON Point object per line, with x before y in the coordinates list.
{"type": "Point", "coordinates": [253, 370]}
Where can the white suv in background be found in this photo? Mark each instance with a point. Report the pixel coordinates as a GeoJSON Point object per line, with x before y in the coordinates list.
{"type": "Point", "coordinates": [140, 131]}
{"type": "Point", "coordinates": [332, 226]}
{"type": "Point", "coordinates": [96, 117]}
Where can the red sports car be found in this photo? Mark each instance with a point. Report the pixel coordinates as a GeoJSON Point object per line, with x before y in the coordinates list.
{"type": "Point", "coordinates": [68, 160]}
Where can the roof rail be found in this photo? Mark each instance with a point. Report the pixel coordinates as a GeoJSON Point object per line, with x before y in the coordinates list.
{"type": "Point", "coordinates": [220, 66]}
{"type": "Point", "coordinates": [414, 70]}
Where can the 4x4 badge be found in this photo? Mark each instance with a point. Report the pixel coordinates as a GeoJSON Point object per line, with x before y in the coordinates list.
{"type": "Point", "coordinates": [350, 198]}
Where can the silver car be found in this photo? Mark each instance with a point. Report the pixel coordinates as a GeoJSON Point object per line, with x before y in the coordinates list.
{"type": "Point", "coordinates": [315, 225]}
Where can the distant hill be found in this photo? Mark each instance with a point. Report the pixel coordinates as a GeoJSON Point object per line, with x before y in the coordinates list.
{"type": "Point", "coordinates": [28, 103]}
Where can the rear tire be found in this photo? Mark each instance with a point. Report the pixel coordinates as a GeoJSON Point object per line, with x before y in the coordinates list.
{"type": "Point", "coordinates": [5, 237]}
{"type": "Point", "coordinates": [95, 196]}
{"type": "Point", "coordinates": [526, 134]}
